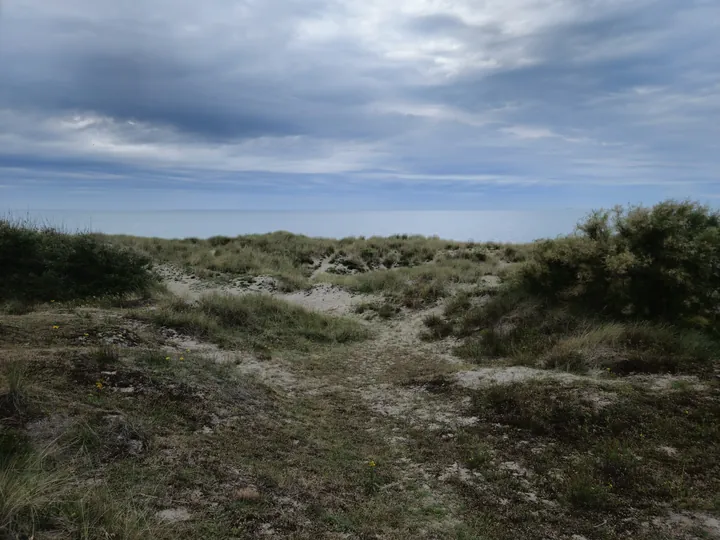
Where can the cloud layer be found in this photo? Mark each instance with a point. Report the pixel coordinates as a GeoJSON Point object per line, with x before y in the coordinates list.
{"type": "Point", "coordinates": [321, 94]}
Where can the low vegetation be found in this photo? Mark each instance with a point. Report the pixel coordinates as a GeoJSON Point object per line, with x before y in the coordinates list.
{"type": "Point", "coordinates": [598, 461]}
{"type": "Point", "coordinates": [418, 286]}
{"type": "Point", "coordinates": [44, 265]}
{"type": "Point", "coordinates": [255, 321]}
{"type": "Point", "coordinates": [292, 259]}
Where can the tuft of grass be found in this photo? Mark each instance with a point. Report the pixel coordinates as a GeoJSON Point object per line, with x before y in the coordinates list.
{"type": "Point", "coordinates": [105, 354]}
{"type": "Point", "coordinates": [384, 310]}
{"type": "Point", "coordinates": [152, 357]}
{"type": "Point", "coordinates": [631, 347]}
{"type": "Point", "coordinates": [256, 320]}
{"type": "Point", "coordinates": [17, 307]}
{"type": "Point", "coordinates": [35, 499]}
{"type": "Point", "coordinates": [14, 400]}
{"type": "Point", "coordinates": [437, 328]}
{"type": "Point", "coordinates": [27, 490]}
{"type": "Point", "coordinates": [99, 516]}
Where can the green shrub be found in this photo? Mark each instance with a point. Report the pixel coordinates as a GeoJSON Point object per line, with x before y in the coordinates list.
{"type": "Point", "coordinates": [46, 264]}
{"type": "Point", "coordinates": [655, 263]}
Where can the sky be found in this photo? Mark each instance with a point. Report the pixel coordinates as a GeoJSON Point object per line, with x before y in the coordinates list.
{"type": "Point", "coordinates": [357, 104]}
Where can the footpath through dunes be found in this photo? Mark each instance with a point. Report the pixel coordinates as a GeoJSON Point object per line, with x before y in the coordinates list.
{"type": "Point", "coordinates": [363, 394]}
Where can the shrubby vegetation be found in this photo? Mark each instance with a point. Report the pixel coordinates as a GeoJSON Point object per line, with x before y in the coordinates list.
{"type": "Point", "coordinates": [631, 290]}
{"type": "Point", "coordinates": [660, 263]}
{"type": "Point", "coordinates": [43, 264]}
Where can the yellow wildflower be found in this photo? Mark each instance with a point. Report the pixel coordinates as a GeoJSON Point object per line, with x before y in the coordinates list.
{"type": "Point", "coordinates": [99, 385]}
{"type": "Point", "coordinates": [371, 463]}
{"type": "Point", "coordinates": [167, 358]}
{"type": "Point", "coordinates": [182, 358]}
{"type": "Point", "coordinates": [55, 327]}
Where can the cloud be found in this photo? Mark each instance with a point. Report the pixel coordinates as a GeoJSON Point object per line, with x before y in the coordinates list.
{"type": "Point", "coordinates": [546, 92]}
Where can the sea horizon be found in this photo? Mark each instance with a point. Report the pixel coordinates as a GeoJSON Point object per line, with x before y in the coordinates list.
{"type": "Point", "coordinates": [459, 225]}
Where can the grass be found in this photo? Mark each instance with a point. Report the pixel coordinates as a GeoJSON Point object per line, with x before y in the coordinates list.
{"type": "Point", "coordinates": [256, 321]}
{"type": "Point", "coordinates": [15, 396]}
{"type": "Point", "coordinates": [515, 326]}
{"type": "Point", "coordinates": [28, 490]}
{"type": "Point", "coordinates": [208, 434]}
{"type": "Point", "coordinates": [105, 354]}
{"type": "Point", "coordinates": [418, 286]}
{"type": "Point", "coordinates": [292, 259]}
{"type": "Point", "coordinates": [35, 498]}
{"type": "Point", "coordinates": [437, 328]}
{"type": "Point", "coordinates": [45, 264]}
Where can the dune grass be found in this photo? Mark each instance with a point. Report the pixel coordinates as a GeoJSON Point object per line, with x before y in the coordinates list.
{"type": "Point", "coordinates": [418, 286]}
{"type": "Point", "coordinates": [45, 264]}
{"type": "Point", "coordinates": [529, 331]}
{"type": "Point", "coordinates": [257, 321]}
{"type": "Point", "coordinates": [292, 258]}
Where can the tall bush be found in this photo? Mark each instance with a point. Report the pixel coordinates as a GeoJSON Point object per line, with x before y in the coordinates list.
{"type": "Point", "coordinates": [657, 263]}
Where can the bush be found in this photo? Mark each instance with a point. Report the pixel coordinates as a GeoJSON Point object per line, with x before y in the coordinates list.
{"type": "Point", "coordinates": [654, 263]}
{"type": "Point", "coordinates": [46, 264]}
{"type": "Point", "coordinates": [631, 291]}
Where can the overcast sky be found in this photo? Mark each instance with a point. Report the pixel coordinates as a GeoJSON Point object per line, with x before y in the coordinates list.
{"type": "Point", "coordinates": [358, 103]}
